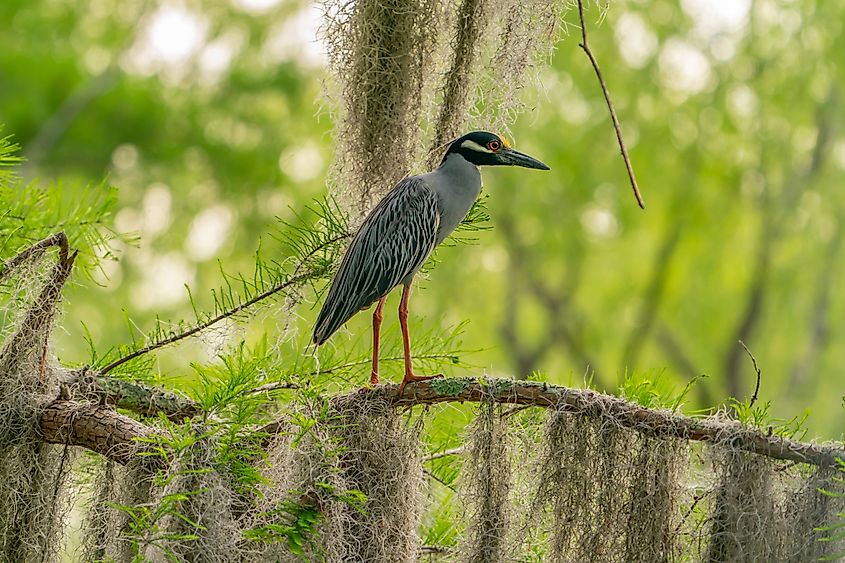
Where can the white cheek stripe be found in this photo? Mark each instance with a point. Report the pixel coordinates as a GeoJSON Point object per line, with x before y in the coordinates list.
{"type": "Point", "coordinates": [472, 145]}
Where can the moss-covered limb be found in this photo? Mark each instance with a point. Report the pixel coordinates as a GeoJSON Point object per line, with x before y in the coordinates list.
{"type": "Point", "coordinates": [37, 249]}
{"type": "Point", "coordinates": [96, 427]}
{"type": "Point", "coordinates": [31, 331]}
{"type": "Point", "coordinates": [649, 422]}
{"type": "Point", "coordinates": [142, 399]}
{"type": "Point", "coordinates": [146, 400]}
{"type": "Point", "coordinates": [103, 430]}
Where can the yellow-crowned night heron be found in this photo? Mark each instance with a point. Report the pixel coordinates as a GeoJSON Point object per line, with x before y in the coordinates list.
{"type": "Point", "coordinates": [400, 232]}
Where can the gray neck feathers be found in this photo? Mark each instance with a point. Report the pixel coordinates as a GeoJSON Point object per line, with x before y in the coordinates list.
{"type": "Point", "coordinates": [457, 183]}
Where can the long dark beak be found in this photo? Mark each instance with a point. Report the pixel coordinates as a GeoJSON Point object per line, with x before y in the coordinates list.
{"type": "Point", "coordinates": [510, 157]}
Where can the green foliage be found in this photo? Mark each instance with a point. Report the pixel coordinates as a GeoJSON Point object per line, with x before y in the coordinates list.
{"type": "Point", "coordinates": [149, 525]}
{"type": "Point", "coordinates": [655, 389]}
{"type": "Point", "coordinates": [30, 212]}
{"type": "Point", "coordinates": [144, 525]}
{"type": "Point", "coordinates": [9, 159]}
{"type": "Point", "coordinates": [229, 144]}
{"type": "Point", "coordinates": [759, 416]}
{"type": "Point", "coordinates": [293, 523]}
{"type": "Point", "coordinates": [312, 246]}
{"type": "Point", "coordinates": [835, 532]}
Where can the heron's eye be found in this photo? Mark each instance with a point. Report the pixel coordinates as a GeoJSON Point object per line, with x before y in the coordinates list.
{"type": "Point", "coordinates": [494, 145]}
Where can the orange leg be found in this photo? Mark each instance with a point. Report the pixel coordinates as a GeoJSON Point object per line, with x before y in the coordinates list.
{"type": "Point", "coordinates": [406, 342]}
{"type": "Point", "coordinates": [377, 318]}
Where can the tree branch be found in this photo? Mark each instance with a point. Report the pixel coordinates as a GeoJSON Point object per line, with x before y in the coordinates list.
{"type": "Point", "coordinates": [444, 453]}
{"type": "Point", "coordinates": [771, 231]}
{"type": "Point", "coordinates": [35, 250]}
{"type": "Point", "coordinates": [819, 321]}
{"type": "Point", "coordinates": [757, 369]}
{"type": "Point", "coordinates": [556, 302]}
{"type": "Point", "coordinates": [96, 427]}
{"type": "Point", "coordinates": [585, 402]}
{"type": "Point", "coordinates": [103, 430]}
{"type": "Point", "coordinates": [653, 296]}
{"type": "Point", "coordinates": [40, 312]}
{"type": "Point", "coordinates": [628, 166]}
{"type": "Point", "coordinates": [142, 399]}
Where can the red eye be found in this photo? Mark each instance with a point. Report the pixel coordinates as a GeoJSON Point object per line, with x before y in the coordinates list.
{"type": "Point", "coordinates": [494, 145]}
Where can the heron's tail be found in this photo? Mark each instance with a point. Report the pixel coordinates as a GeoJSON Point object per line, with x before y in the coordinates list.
{"type": "Point", "coordinates": [323, 328]}
{"type": "Point", "coordinates": [331, 317]}
{"type": "Point", "coordinates": [335, 313]}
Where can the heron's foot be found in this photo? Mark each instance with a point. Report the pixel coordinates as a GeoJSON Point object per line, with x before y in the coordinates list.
{"type": "Point", "coordinates": [409, 377]}
{"type": "Point", "coordinates": [374, 378]}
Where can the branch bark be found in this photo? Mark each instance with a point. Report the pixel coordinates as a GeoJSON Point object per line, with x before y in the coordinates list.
{"type": "Point", "coordinates": [98, 428]}
{"type": "Point", "coordinates": [651, 422]}
{"type": "Point", "coordinates": [616, 127]}
{"type": "Point", "coordinates": [105, 431]}
{"type": "Point", "coordinates": [136, 397]}
{"type": "Point", "coordinates": [58, 240]}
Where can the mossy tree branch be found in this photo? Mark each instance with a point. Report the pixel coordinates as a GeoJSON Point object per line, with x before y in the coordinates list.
{"type": "Point", "coordinates": [139, 398]}
{"type": "Point", "coordinates": [585, 402]}
{"type": "Point", "coordinates": [98, 428]}
{"type": "Point", "coordinates": [101, 429]}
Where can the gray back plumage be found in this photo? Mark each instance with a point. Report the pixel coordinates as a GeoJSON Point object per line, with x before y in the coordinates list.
{"type": "Point", "coordinates": [392, 243]}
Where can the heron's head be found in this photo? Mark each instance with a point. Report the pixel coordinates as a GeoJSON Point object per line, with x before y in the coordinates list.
{"type": "Point", "coordinates": [488, 149]}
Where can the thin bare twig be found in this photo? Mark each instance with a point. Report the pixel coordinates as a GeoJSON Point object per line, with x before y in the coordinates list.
{"type": "Point", "coordinates": [628, 166]}
{"type": "Point", "coordinates": [444, 453]}
{"type": "Point", "coordinates": [757, 369]}
{"type": "Point", "coordinates": [435, 550]}
{"type": "Point", "coordinates": [515, 410]}
{"type": "Point", "coordinates": [439, 480]}
{"type": "Point", "coordinates": [277, 386]}
{"type": "Point", "coordinates": [696, 499]}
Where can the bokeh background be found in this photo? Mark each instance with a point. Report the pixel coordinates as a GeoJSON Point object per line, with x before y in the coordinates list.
{"type": "Point", "coordinates": [208, 118]}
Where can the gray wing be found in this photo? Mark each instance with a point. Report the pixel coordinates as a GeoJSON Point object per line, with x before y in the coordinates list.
{"type": "Point", "coordinates": [392, 243]}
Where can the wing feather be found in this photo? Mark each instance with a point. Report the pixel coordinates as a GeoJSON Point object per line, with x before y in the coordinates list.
{"type": "Point", "coordinates": [392, 243]}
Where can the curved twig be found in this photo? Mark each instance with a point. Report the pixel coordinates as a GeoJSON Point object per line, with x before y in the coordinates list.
{"type": "Point", "coordinates": [757, 369]}
{"type": "Point", "coordinates": [628, 166]}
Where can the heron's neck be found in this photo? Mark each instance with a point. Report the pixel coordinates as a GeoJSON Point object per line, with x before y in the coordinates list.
{"type": "Point", "coordinates": [455, 162]}
{"type": "Point", "coordinates": [457, 183]}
